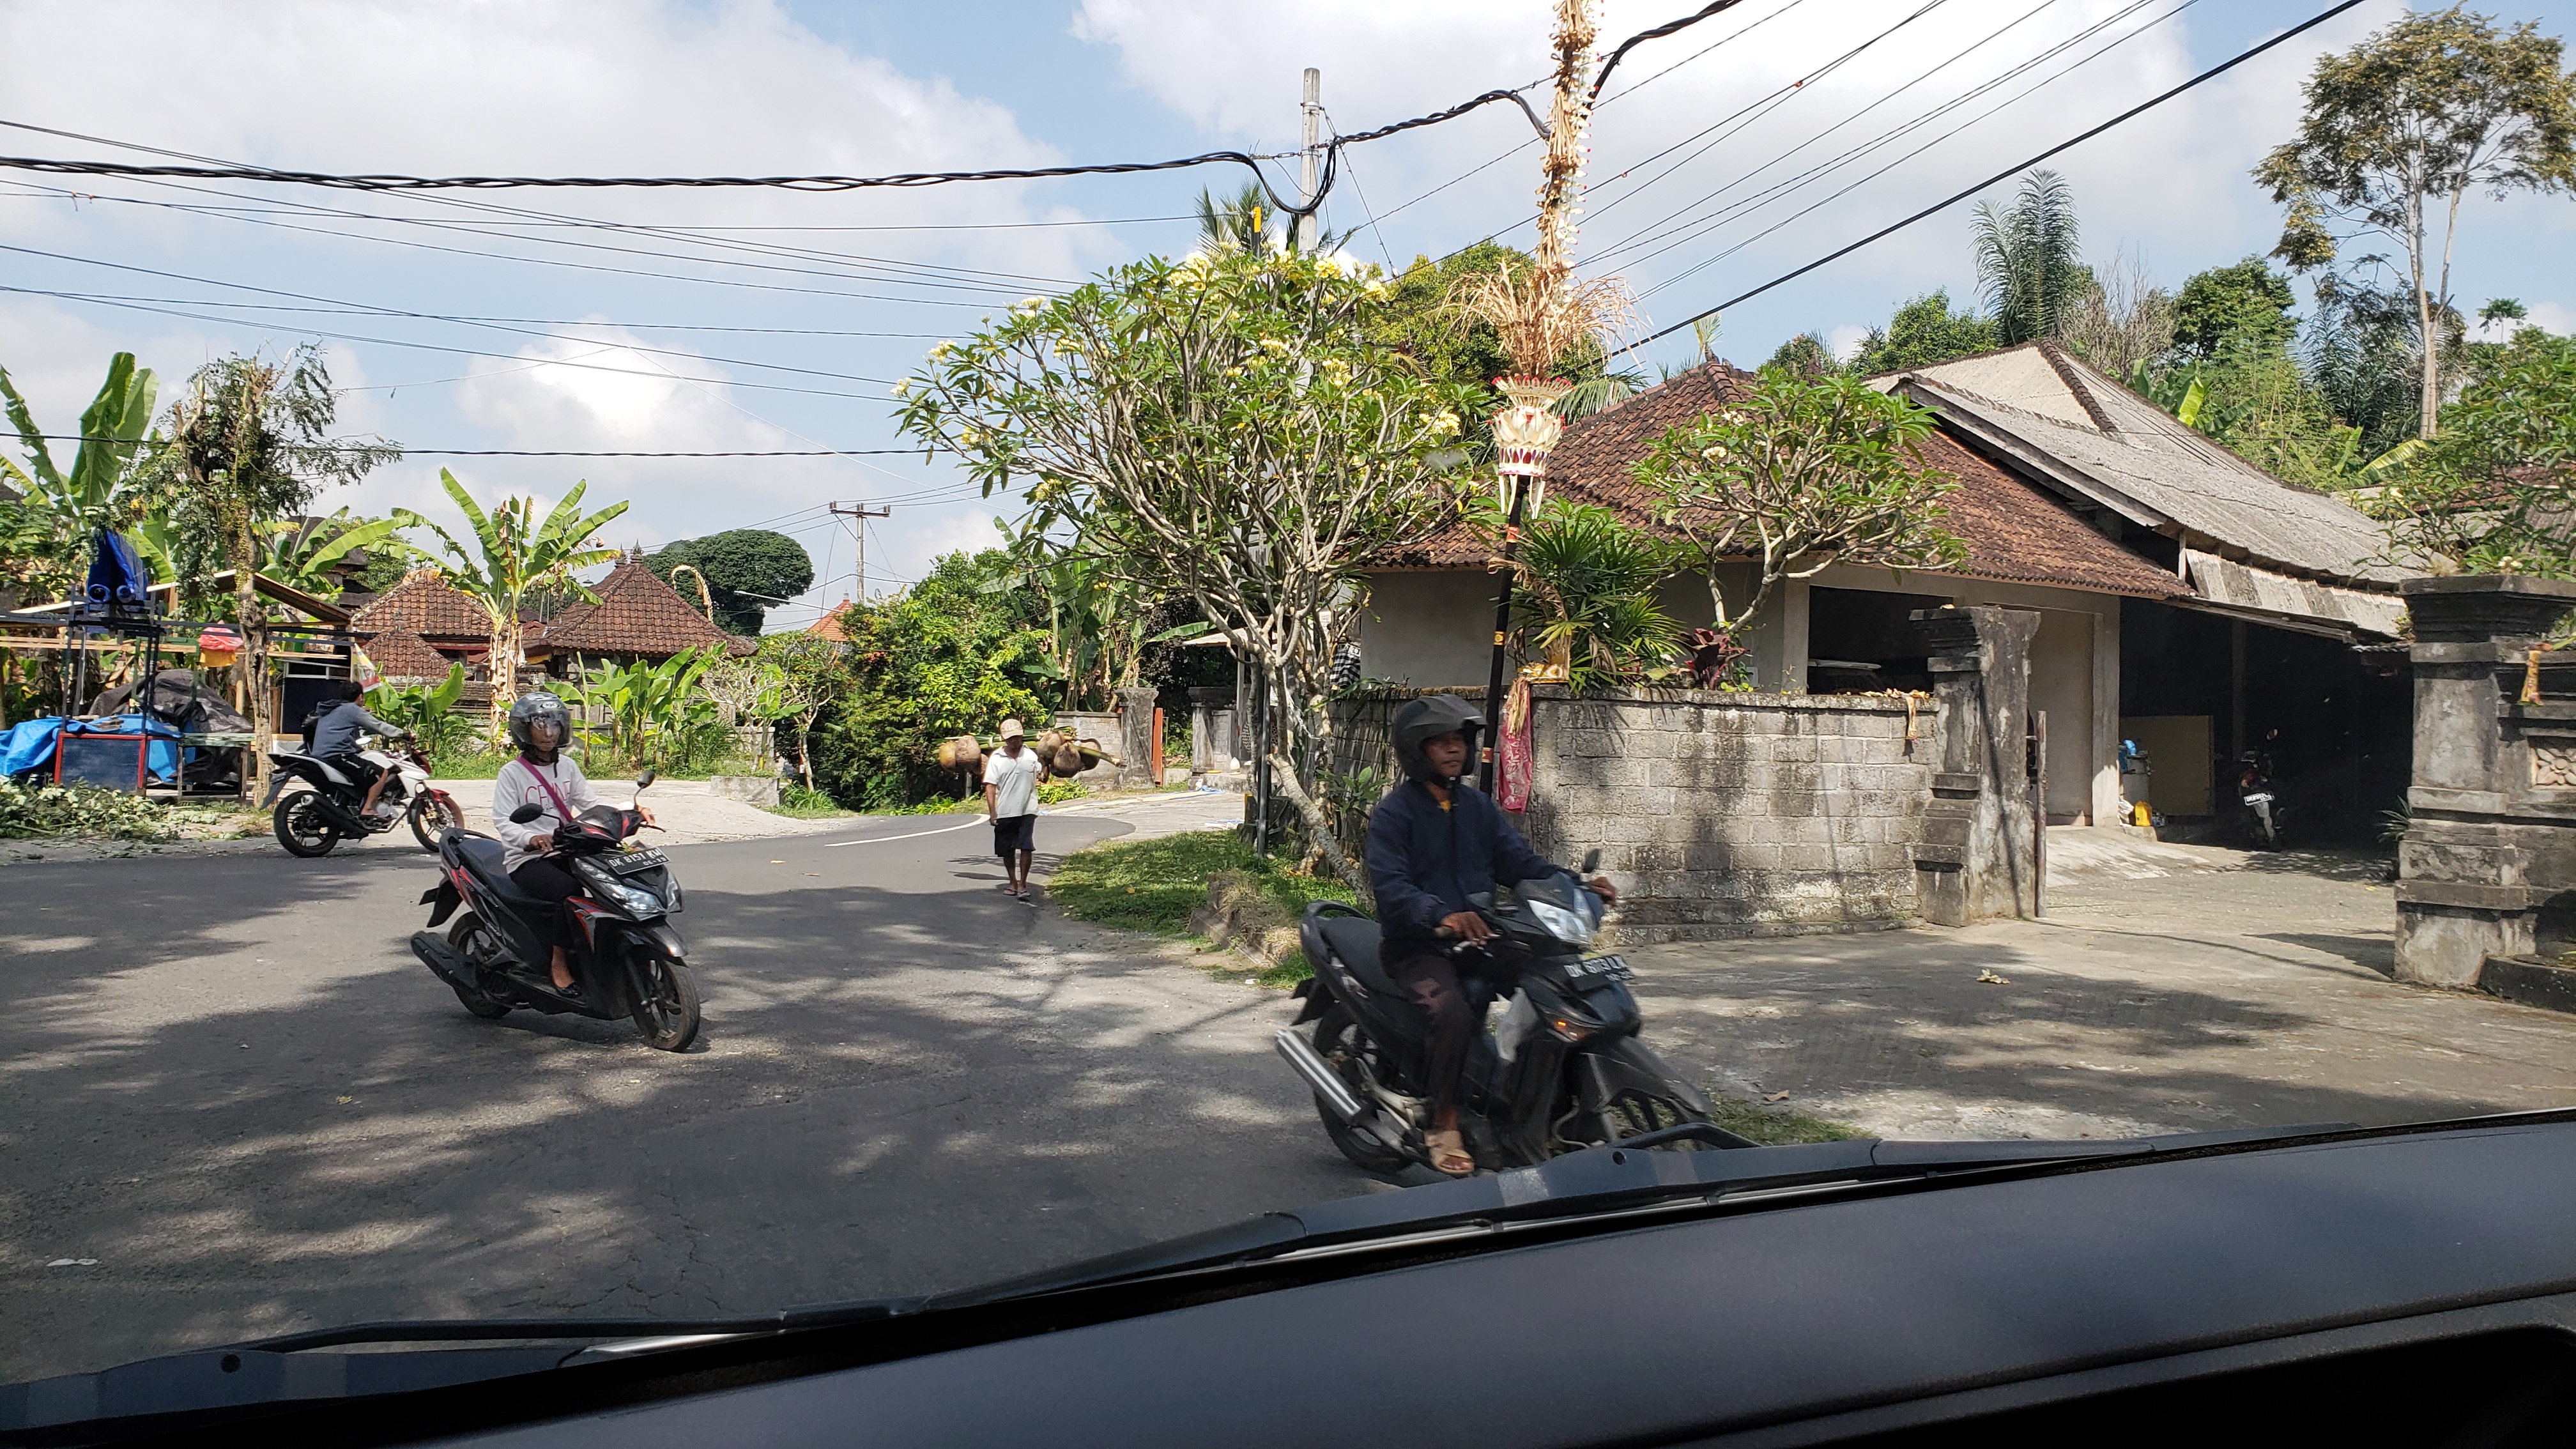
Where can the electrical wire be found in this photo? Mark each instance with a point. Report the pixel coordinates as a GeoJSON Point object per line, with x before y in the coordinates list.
{"type": "Point", "coordinates": [525, 321]}
{"type": "Point", "coordinates": [1849, 187]}
{"type": "Point", "coordinates": [2008, 172]}
{"type": "Point", "coordinates": [564, 452]}
{"type": "Point", "coordinates": [105, 299]}
{"type": "Point", "coordinates": [1659, 230]}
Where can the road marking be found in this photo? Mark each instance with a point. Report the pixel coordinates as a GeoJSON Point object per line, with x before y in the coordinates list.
{"type": "Point", "coordinates": [887, 839]}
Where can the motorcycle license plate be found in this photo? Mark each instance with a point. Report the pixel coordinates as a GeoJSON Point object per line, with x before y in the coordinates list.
{"type": "Point", "coordinates": [1607, 968]}
{"type": "Point", "coordinates": [629, 862]}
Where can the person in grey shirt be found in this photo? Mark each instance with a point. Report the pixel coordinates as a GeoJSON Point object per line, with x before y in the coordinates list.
{"type": "Point", "coordinates": [335, 741]}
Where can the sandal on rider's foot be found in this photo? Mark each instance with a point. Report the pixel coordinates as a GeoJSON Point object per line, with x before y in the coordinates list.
{"type": "Point", "coordinates": [1448, 1152]}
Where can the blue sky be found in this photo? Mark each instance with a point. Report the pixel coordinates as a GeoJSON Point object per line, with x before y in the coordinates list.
{"type": "Point", "coordinates": [598, 350]}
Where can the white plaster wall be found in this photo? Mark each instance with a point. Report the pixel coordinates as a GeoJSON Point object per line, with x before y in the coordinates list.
{"type": "Point", "coordinates": [1429, 630]}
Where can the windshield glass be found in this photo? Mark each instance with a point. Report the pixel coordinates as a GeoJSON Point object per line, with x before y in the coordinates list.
{"type": "Point", "coordinates": [577, 748]}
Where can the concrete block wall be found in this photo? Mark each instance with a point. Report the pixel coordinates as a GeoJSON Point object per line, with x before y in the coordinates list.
{"type": "Point", "coordinates": [1737, 814]}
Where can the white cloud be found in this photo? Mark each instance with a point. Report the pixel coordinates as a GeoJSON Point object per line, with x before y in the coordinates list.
{"type": "Point", "coordinates": [1845, 341]}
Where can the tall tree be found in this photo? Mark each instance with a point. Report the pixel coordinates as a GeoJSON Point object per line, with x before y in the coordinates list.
{"type": "Point", "coordinates": [2242, 306]}
{"type": "Point", "coordinates": [2030, 261]}
{"type": "Point", "coordinates": [515, 555]}
{"type": "Point", "coordinates": [250, 445]}
{"type": "Point", "coordinates": [1924, 331]}
{"type": "Point", "coordinates": [2490, 495]}
{"type": "Point", "coordinates": [745, 569]}
{"type": "Point", "coordinates": [2404, 126]}
{"type": "Point", "coordinates": [1808, 354]}
{"type": "Point", "coordinates": [2121, 317]}
{"type": "Point", "coordinates": [46, 529]}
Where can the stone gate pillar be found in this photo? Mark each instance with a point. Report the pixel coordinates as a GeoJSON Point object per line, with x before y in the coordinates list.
{"type": "Point", "coordinates": [2487, 871]}
{"type": "Point", "coordinates": [1136, 739]}
{"type": "Point", "coordinates": [1212, 747]}
{"type": "Point", "coordinates": [1978, 857]}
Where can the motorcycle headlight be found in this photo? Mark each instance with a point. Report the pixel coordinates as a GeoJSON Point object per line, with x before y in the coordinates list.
{"type": "Point", "coordinates": [1574, 928]}
{"type": "Point", "coordinates": [633, 900]}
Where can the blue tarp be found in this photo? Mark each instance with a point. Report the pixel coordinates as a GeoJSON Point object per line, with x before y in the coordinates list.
{"type": "Point", "coordinates": [29, 745]}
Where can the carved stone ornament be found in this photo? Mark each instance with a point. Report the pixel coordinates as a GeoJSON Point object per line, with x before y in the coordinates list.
{"type": "Point", "coordinates": [2553, 766]}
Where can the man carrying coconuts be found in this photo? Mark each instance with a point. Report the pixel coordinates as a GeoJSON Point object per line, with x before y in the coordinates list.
{"type": "Point", "coordinates": [1011, 803]}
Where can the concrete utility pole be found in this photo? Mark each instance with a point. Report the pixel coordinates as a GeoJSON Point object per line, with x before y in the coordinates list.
{"type": "Point", "coordinates": [1311, 170]}
{"type": "Point", "coordinates": [862, 513]}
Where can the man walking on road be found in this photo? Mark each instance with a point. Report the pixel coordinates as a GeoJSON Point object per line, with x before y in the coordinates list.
{"type": "Point", "coordinates": [1011, 803]}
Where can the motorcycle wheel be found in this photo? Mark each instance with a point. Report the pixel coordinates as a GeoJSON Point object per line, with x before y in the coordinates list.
{"type": "Point", "coordinates": [666, 1001]}
{"type": "Point", "coordinates": [431, 806]}
{"type": "Point", "coordinates": [300, 826]}
{"type": "Point", "coordinates": [1340, 1042]}
{"type": "Point", "coordinates": [1633, 1114]}
{"type": "Point", "coordinates": [479, 945]}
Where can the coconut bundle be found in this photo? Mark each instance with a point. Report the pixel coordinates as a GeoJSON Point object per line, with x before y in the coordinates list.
{"type": "Point", "coordinates": [961, 753]}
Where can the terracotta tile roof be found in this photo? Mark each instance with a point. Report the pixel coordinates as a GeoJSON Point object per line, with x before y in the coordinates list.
{"type": "Point", "coordinates": [829, 626]}
{"type": "Point", "coordinates": [637, 614]}
{"type": "Point", "coordinates": [2013, 531]}
{"type": "Point", "coordinates": [402, 654]}
{"type": "Point", "coordinates": [426, 604]}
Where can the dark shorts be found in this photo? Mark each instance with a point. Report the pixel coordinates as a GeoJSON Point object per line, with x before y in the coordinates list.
{"type": "Point", "coordinates": [1014, 832]}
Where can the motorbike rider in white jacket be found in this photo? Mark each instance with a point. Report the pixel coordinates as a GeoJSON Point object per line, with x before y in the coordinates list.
{"type": "Point", "coordinates": [543, 776]}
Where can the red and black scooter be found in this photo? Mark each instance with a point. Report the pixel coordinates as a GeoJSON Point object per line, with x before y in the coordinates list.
{"type": "Point", "coordinates": [629, 962]}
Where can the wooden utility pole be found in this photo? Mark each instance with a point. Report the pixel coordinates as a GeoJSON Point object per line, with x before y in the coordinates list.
{"type": "Point", "coordinates": [862, 513]}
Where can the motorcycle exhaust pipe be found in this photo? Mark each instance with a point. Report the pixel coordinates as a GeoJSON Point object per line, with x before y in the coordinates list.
{"type": "Point", "coordinates": [1319, 1074]}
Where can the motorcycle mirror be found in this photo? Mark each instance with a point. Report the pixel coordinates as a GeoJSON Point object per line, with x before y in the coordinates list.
{"type": "Point", "coordinates": [526, 813]}
{"type": "Point", "coordinates": [647, 778]}
{"type": "Point", "coordinates": [1592, 860]}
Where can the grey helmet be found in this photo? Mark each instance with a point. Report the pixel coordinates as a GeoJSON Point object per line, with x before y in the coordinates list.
{"type": "Point", "coordinates": [531, 707]}
{"type": "Point", "coordinates": [1427, 719]}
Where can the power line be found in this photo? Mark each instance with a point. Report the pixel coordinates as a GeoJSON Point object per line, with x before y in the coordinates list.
{"type": "Point", "coordinates": [1702, 225]}
{"type": "Point", "coordinates": [1712, 223]}
{"type": "Point", "coordinates": [389, 312]}
{"type": "Point", "coordinates": [355, 311]}
{"type": "Point", "coordinates": [2134, 111]}
{"type": "Point", "coordinates": [1659, 32]}
{"type": "Point", "coordinates": [566, 452]}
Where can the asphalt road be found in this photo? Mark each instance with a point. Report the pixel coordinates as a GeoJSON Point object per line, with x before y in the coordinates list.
{"type": "Point", "coordinates": [230, 1085]}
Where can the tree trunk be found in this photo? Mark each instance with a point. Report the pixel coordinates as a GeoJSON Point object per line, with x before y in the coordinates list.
{"type": "Point", "coordinates": [503, 666]}
{"type": "Point", "coordinates": [254, 664]}
{"type": "Point", "coordinates": [1283, 778]}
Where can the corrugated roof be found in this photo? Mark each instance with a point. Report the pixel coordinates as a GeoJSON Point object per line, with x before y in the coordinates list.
{"type": "Point", "coordinates": [425, 603]}
{"type": "Point", "coordinates": [2068, 422]}
{"type": "Point", "coordinates": [2013, 531]}
{"type": "Point", "coordinates": [636, 614]}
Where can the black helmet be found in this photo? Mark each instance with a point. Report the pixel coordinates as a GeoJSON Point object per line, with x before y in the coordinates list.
{"type": "Point", "coordinates": [528, 709]}
{"type": "Point", "coordinates": [1427, 719]}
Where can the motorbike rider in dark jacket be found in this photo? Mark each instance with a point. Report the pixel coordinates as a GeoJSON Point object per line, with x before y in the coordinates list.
{"type": "Point", "coordinates": [1433, 842]}
{"type": "Point", "coordinates": [335, 740]}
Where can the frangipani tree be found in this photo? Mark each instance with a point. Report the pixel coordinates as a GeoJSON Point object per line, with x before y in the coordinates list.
{"type": "Point", "coordinates": [515, 555]}
{"type": "Point", "coordinates": [1221, 428]}
{"type": "Point", "coordinates": [1798, 474]}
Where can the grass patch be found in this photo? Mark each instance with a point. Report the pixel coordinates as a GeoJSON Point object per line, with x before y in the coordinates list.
{"type": "Point", "coordinates": [1776, 1126]}
{"type": "Point", "coordinates": [1156, 885]}
{"type": "Point", "coordinates": [798, 803]}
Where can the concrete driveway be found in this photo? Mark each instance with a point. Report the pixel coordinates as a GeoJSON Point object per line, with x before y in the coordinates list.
{"type": "Point", "coordinates": [2169, 989]}
{"type": "Point", "coordinates": [229, 1084]}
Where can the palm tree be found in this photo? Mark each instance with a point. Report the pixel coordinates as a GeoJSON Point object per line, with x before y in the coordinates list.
{"type": "Point", "coordinates": [2028, 260]}
{"type": "Point", "coordinates": [515, 556]}
{"type": "Point", "coordinates": [1244, 221]}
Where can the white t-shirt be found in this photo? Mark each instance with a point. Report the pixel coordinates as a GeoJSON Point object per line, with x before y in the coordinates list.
{"type": "Point", "coordinates": [516, 785]}
{"type": "Point", "coordinates": [1014, 779]}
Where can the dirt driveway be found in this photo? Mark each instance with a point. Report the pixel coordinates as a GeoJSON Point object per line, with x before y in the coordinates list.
{"type": "Point", "coordinates": [2170, 989]}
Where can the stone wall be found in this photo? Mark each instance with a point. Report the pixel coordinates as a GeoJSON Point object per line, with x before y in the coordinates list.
{"type": "Point", "coordinates": [1737, 814]}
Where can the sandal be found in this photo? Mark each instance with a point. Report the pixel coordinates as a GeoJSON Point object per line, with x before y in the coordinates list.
{"type": "Point", "coordinates": [1448, 1152]}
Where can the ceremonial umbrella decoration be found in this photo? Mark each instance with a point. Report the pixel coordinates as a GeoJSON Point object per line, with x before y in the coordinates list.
{"type": "Point", "coordinates": [1541, 318]}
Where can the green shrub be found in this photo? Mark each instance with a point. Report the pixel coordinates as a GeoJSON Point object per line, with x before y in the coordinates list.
{"type": "Point", "coordinates": [30, 812]}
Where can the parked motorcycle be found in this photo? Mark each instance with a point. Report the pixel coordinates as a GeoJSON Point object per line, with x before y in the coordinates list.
{"type": "Point", "coordinates": [630, 962]}
{"type": "Point", "coordinates": [2263, 806]}
{"type": "Point", "coordinates": [1565, 1071]}
{"type": "Point", "coordinates": [311, 821]}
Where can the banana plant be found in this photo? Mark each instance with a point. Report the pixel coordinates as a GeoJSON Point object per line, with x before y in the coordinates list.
{"type": "Point", "coordinates": [97, 492]}
{"type": "Point", "coordinates": [427, 710]}
{"type": "Point", "coordinates": [515, 555]}
{"type": "Point", "coordinates": [300, 553]}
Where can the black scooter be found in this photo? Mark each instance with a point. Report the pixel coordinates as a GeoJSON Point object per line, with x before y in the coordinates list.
{"type": "Point", "coordinates": [1565, 1071]}
{"type": "Point", "coordinates": [630, 963]}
